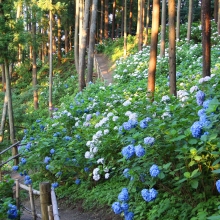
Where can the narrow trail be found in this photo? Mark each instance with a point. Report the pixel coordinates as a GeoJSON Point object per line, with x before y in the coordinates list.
{"type": "Point", "coordinates": [76, 211]}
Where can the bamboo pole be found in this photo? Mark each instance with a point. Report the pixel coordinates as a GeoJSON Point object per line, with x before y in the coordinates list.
{"type": "Point", "coordinates": [50, 212]}
{"type": "Point", "coordinates": [55, 206]}
{"type": "Point", "coordinates": [17, 193]}
{"type": "Point", "coordinates": [33, 211]}
{"type": "Point", "coordinates": [35, 192]}
{"type": "Point", "coordinates": [45, 199]}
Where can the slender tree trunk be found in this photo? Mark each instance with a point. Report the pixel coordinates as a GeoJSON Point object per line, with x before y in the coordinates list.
{"type": "Point", "coordinates": [80, 20]}
{"type": "Point", "coordinates": [172, 47]}
{"type": "Point", "coordinates": [10, 109]}
{"type": "Point", "coordinates": [92, 41]}
{"type": "Point", "coordinates": [153, 49]}
{"type": "Point", "coordinates": [76, 37]}
{"type": "Point", "coordinates": [163, 29]}
{"type": "Point", "coordinates": [122, 18]}
{"type": "Point", "coordinates": [130, 16]}
{"type": "Point", "coordinates": [106, 19]}
{"type": "Point", "coordinates": [51, 63]}
{"type": "Point", "coordinates": [82, 51]}
{"type": "Point", "coordinates": [216, 11]}
{"type": "Point", "coordinates": [34, 61]}
{"type": "Point", "coordinates": [190, 14]}
{"type": "Point", "coordinates": [218, 17]}
{"type": "Point", "coordinates": [125, 28]}
{"type": "Point", "coordinates": [140, 25]}
{"type": "Point", "coordinates": [19, 9]}
{"type": "Point", "coordinates": [5, 105]}
{"type": "Point", "coordinates": [147, 22]}
{"type": "Point", "coordinates": [206, 37]}
{"type": "Point", "coordinates": [113, 18]}
{"type": "Point", "coordinates": [59, 55]}
{"type": "Point", "coordinates": [66, 41]}
{"type": "Point", "coordinates": [101, 21]}
{"type": "Point", "coordinates": [178, 21]}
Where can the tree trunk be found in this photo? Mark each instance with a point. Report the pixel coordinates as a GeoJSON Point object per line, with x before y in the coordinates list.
{"type": "Point", "coordinates": [51, 64]}
{"type": "Point", "coordinates": [172, 47]}
{"type": "Point", "coordinates": [101, 21]}
{"type": "Point", "coordinates": [10, 109]}
{"type": "Point", "coordinates": [106, 19]}
{"type": "Point", "coordinates": [190, 14]}
{"type": "Point", "coordinates": [80, 20]}
{"type": "Point", "coordinates": [113, 18]}
{"type": "Point", "coordinates": [125, 28]}
{"type": "Point", "coordinates": [206, 37]}
{"type": "Point", "coordinates": [34, 62]}
{"type": "Point", "coordinates": [153, 49]}
{"type": "Point", "coordinates": [216, 10]}
{"type": "Point", "coordinates": [92, 41]}
{"type": "Point", "coordinates": [59, 55]}
{"type": "Point", "coordinates": [147, 22]}
{"type": "Point", "coordinates": [178, 20]}
{"type": "Point", "coordinates": [76, 37]}
{"type": "Point", "coordinates": [82, 46]}
{"type": "Point", "coordinates": [130, 16]}
{"type": "Point", "coordinates": [163, 29]}
{"type": "Point", "coordinates": [122, 18]}
{"type": "Point", "coordinates": [140, 24]}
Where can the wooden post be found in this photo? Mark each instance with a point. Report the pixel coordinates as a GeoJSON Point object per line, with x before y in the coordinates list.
{"type": "Point", "coordinates": [54, 205]}
{"type": "Point", "coordinates": [33, 211]}
{"type": "Point", "coordinates": [45, 199]}
{"type": "Point", "coordinates": [17, 193]}
{"type": "Point", "coordinates": [50, 212]}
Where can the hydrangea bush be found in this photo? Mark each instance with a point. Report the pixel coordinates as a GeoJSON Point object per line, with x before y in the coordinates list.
{"type": "Point", "coordinates": [164, 154]}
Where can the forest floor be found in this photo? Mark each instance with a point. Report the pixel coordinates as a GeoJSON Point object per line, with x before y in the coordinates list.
{"type": "Point", "coordinates": [76, 211]}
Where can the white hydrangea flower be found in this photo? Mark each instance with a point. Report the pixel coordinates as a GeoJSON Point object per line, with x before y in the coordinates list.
{"type": "Point", "coordinates": [95, 171]}
{"type": "Point", "coordinates": [94, 150]}
{"type": "Point", "coordinates": [106, 131]}
{"type": "Point", "coordinates": [126, 103]}
{"type": "Point", "coordinates": [96, 177]}
{"type": "Point", "coordinates": [87, 155]}
{"type": "Point", "coordinates": [165, 114]}
{"type": "Point", "coordinates": [107, 175]}
{"type": "Point", "coordinates": [100, 161]}
{"type": "Point", "coordinates": [193, 89]}
{"type": "Point", "coordinates": [110, 114]}
{"type": "Point", "coordinates": [115, 118]}
{"type": "Point", "coordinates": [127, 113]}
{"type": "Point", "coordinates": [165, 98]}
{"type": "Point", "coordinates": [115, 128]}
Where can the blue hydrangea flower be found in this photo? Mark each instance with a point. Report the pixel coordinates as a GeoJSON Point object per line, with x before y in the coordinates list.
{"type": "Point", "coordinates": [196, 129]}
{"type": "Point", "coordinates": [203, 120]}
{"type": "Point", "coordinates": [125, 206]}
{"type": "Point", "coordinates": [54, 185]}
{"type": "Point", "coordinates": [23, 161]}
{"type": "Point", "coordinates": [42, 127]}
{"type": "Point", "coordinates": [52, 151]}
{"type": "Point", "coordinates": [200, 97]}
{"type": "Point", "coordinates": [78, 137]}
{"type": "Point", "coordinates": [143, 124]}
{"type": "Point", "coordinates": [67, 138]}
{"type": "Point", "coordinates": [149, 141]}
{"type": "Point", "coordinates": [58, 174]}
{"type": "Point", "coordinates": [126, 173]}
{"type": "Point", "coordinates": [86, 169]}
{"type": "Point", "coordinates": [154, 170]}
{"type": "Point", "coordinates": [116, 207]}
{"type": "Point", "coordinates": [28, 146]}
{"type": "Point", "coordinates": [206, 104]}
{"type": "Point", "coordinates": [129, 216]}
{"type": "Point", "coordinates": [139, 151]}
{"type": "Point", "coordinates": [15, 168]}
{"type": "Point", "coordinates": [38, 120]}
{"type": "Point", "coordinates": [32, 138]}
{"type": "Point", "coordinates": [88, 117]}
{"type": "Point", "coordinates": [56, 134]}
{"type": "Point", "coordinates": [27, 180]}
{"type": "Point", "coordinates": [120, 130]}
{"type": "Point", "coordinates": [218, 185]}
{"type": "Point", "coordinates": [201, 112]}
{"type": "Point", "coordinates": [123, 195]}
{"type": "Point", "coordinates": [47, 159]}
{"type": "Point", "coordinates": [129, 124]}
{"type": "Point", "coordinates": [128, 151]}
{"type": "Point", "coordinates": [12, 211]}
{"type": "Point", "coordinates": [77, 181]}
{"type": "Point", "coordinates": [97, 113]}
{"type": "Point", "coordinates": [48, 167]}
{"type": "Point", "coordinates": [149, 195]}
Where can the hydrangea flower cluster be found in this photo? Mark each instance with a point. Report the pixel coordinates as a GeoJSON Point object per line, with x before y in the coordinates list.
{"type": "Point", "coordinates": [139, 151]}
{"type": "Point", "coordinates": [123, 206]}
{"type": "Point", "coordinates": [54, 185]}
{"type": "Point", "coordinates": [23, 161]}
{"type": "Point", "coordinates": [200, 97]}
{"type": "Point", "coordinates": [154, 170]}
{"type": "Point", "coordinates": [128, 151]}
{"type": "Point", "coordinates": [15, 168]}
{"type": "Point", "coordinates": [47, 159]}
{"type": "Point", "coordinates": [144, 123]}
{"type": "Point", "coordinates": [77, 181]}
{"type": "Point", "coordinates": [218, 185]}
{"type": "Point", "coordinates": [149, 195]}
{"type": "Point", "coordinates": [96, 175]}
{"type": "Point", "coordinates": [129, 125]}
{"type": "Point", "coordinates": [149, 141]}
{"type": "Point", "coordinates": [27, 180]}
{"type": "Point", "coordinates": [12, 211]}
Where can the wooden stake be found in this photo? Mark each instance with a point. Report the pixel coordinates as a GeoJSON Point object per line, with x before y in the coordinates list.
{"type": "Point", "coordinates": [45, 199]}
{"type": "Point", "coordinates": [33, 211]}
{"type": "Point", "coordinates": [50, 212]}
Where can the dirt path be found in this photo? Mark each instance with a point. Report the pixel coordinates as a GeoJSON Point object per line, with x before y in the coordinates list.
{"type": "Point", "coordinates": [76, 211]}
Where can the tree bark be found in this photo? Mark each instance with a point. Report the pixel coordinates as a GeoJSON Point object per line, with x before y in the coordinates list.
{"type": "Point", "coordinates": [51, 64]}
{"type": "Point", "coordinates": [92, 41]}
{"type": "Point", "coordinates": [76, 37]}
{"type": "Point", "coordinates": [206, 37]}
{"type": "Point", "coordinates": [172, 47]}
{"type": "Point", "coordinates": [163, 29]}
{"type": "Point", "coordinates": [59, 55]}
{"type": "Point", "coordinates": [153, 49]}
{"type": "Point", "coordinates": [130, 16]}
{"type": "Point", "coordinates": [125, 28]}
{"type": "Point", "coordinates": [113, 18]}
{"type": "Point", "coordinates": [82, 46]}
{"type": "Point", "coordinates": [178, 21]}
{"type": "Point", "coordinates": [147, 22]}
{"type": "Point", "coordinates": [101, 21]}
{"type": "Point", "coordinates": [106, 19]}
{"type": "Point", "coordinates": [190, 14]}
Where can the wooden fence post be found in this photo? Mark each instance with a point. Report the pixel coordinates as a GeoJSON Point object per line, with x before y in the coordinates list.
{"type": "Point", "coordinates": [33, 211]}
{"type": "Point", "coordinates": [50, 212]}
{"type": "Point", "coordinates": [17, 193]}
{"type": "Point", "coordinates": [45, 199]}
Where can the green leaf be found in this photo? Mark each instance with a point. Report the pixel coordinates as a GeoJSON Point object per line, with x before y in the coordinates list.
{"type": "Point", "coordinates": [191, 163]}
{"type": "Point", "coordinates": [192, 141]}
{"type": "Point", "coordinates": [187, 174]}
{"type": "Point", "coordinates": [197, 158]}
{"type": "Point", "coordinates": [213, 104]}
{"type": "Point", "coordinates": [215, 162]}
{"type": "Point", "coordinates": [194, 172]}
{"type": "Point", "coordinates": [216, 171]}
{"type": "Point", "coordinates": [217, 217]}
{"type": "Point", "coordinates": [194, 184]}
{"type": "Point", "coordinates": [166, 166]}
{"type": "Point", "coordinates": [161, 175]}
